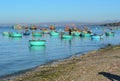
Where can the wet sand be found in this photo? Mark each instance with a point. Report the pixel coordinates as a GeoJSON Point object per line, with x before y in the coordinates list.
{"type": "Point", "coordinates": [100, 65]}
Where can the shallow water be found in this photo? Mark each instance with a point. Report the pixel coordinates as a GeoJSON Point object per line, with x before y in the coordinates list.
{"type": "Point", "coordinates": [17, 55]}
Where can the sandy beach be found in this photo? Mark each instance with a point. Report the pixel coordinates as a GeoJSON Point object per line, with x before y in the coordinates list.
{"type": "Point", "coordinates": [100, 65]}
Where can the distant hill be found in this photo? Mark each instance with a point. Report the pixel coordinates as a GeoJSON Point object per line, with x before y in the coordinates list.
{"type": "Point", "coordinates": [111, 24]}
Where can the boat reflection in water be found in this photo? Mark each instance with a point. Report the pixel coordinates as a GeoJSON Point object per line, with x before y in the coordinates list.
{"type": "Point", "coordinates": [16, 38]}
{"type": "Point", "coordinates": [67, 42]}
{"type": "Point", "coordinates": [37, 48]}
{"type": "Point", "coordinates": [96, 39]}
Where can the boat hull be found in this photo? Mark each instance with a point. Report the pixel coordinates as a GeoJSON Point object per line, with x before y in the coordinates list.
{"type": "Point", "coordinates": [26, 33]}
{"type": "Point", "coordinates": [15, 34]}
{"type": "Point", "coordinates": [109, 33]}
{"type": "Point", "coordinates": [54, 33]}
{"type": "Point", "coordinates": [37, 42]}
{"type": "Point", "coordinates": [67, 37]}
{"type": "Point", "coordinates": [37, 34]}
{"type": "Point", "coordinates": [6, 33]}
{"type": "Point", "coordinates": [85, 35]}
{"type": "Point", "coordinates": [96, 37]}
{"type": "Point", "coordinates": [76, 33]}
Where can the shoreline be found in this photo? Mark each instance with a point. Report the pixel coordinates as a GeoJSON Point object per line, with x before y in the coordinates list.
{"type": "Point", "coordinates": [56, 69]}
{"type": "Point", "coordinates": [54, 62]}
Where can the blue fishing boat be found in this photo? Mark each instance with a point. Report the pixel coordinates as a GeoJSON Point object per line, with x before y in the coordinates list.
{"type": "Point", "coordinates": [26, 33]}
{"type": "Point", "coordinates": [96, 36]}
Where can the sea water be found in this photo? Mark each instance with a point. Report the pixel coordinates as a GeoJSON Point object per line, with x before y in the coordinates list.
{"type": "Point", "coordinates": [17, 55]}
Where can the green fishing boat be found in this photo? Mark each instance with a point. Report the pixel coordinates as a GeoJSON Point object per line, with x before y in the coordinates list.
{"type": "Point", "coordinates": [67, 36]}
{"type": "Point", "coordinates": [109, 33]}
{"type": "Point", "coordinates": [36, 34]}
{"type": "Point", "coordinates": [85, 34]}
{"type": "Point", "coordinates": [76, 33]}
{"type": "Point", "coordinates": [37, 42]}
{"type": "Point", "coordinates": [54, 33]}
{"type": "Point", "coordinates": [15, 34]}
{"type": "Point", "coordinates": [6, 33]}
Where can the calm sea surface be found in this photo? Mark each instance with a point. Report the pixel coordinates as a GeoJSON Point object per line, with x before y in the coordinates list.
{"type": "Point", "coordinates": [16, 54]}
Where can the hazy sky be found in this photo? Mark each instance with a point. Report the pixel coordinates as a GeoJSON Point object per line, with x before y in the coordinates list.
{"type": "Point", "coordinates": [35, 11]}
